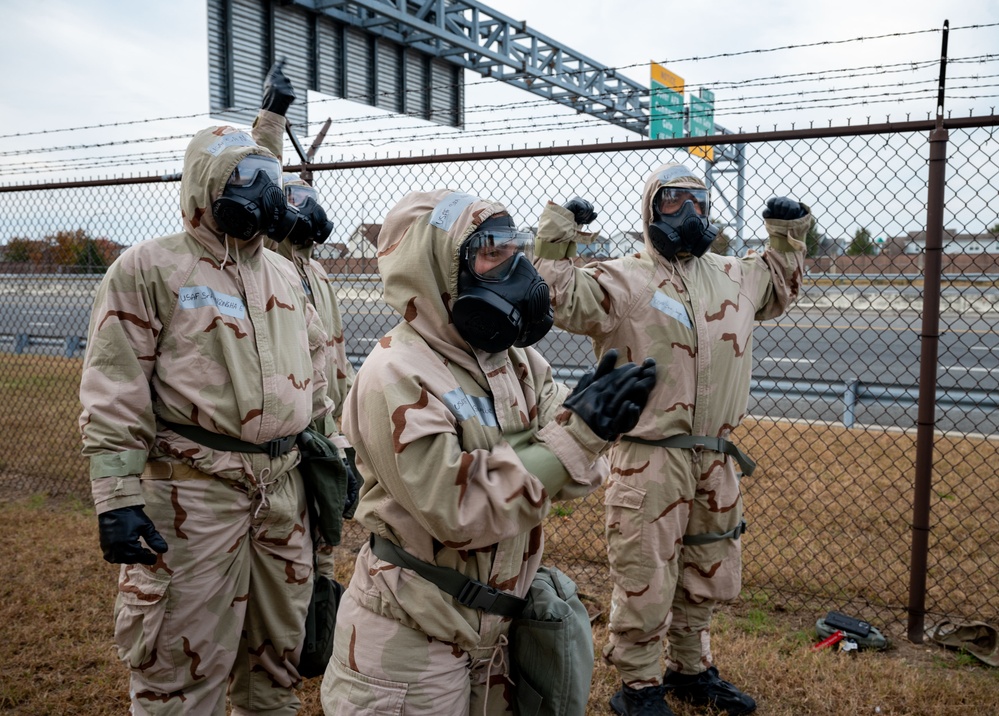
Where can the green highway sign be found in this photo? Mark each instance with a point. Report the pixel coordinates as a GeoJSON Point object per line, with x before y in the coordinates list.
{"type": "Point", "coordinates": [665, 103]}
{"type": "Point", "coordinates": [702, 122]}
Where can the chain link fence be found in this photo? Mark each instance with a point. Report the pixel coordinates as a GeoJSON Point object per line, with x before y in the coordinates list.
{"type": "Point", "coordinates": [834, 419]}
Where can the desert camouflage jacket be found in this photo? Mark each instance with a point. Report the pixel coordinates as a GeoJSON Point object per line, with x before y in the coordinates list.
{"type": "Point", "coordinates": [432, 421]}
{"type": "Point", "coordinates": [268, 130]}
{"type": "Point", "coordinates": [321, 291]}
{"type": "Point", "coordinates": [192, 329]}
{"type": "Point", "coordinates": [695, 316]}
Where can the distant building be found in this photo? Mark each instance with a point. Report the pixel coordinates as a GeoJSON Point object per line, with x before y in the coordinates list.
{"type": "Point", "coordinates": [954, 244]}
{"type": "Point", "coordinates": [599, 249]}
{"type": "Point", "coordinates": [363, 242]}
{"type": "Point", "coordinates": [625, 243]}
{"type": "Point", "coordinates": [830, 248]}
{"type": "Point", "coordinates": [332, 250]}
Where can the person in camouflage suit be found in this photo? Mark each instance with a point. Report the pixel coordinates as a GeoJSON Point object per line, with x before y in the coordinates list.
{"type": "Point", "coordinates": [322, 294]}
{"type": "Point", "coordinates": [674, 511]}
{"type": "Point", "coordinates": [462, 451]}
{"type": "Point", "coordinates": [299, 248]}
{"type": "Point", "coordinates": [210, 335]}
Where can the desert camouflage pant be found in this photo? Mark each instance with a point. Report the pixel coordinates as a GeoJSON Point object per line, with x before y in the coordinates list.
{"type": "Point", "coordinates": [225, 605]}
{"type": "Point", "coordinates": [665, 591]}
{"type": "Point", "coordinates": [382, 668]}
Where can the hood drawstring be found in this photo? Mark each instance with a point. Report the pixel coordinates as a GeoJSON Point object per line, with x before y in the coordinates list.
{"type": "Point", "coordinates": [672, 270]}
{"type": "Point", "coordinates": [499, 650]}
{"type": "Point", "coordinates": [225, 240]}
{"type": "Point", "coordinates": [262, 483]}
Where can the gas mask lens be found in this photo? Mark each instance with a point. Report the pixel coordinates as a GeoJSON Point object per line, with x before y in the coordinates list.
{"type": "Point", "coordinates": [297, 194]}
{"type": "Point", "coordinates": [672, 198]}
{"type": "Point", "coordinates": [491, 254]}
{"type": "Point", "coordinates": [250, 166]}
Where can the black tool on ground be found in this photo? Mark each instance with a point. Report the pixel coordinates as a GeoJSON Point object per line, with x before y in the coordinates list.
{"type": "Point", "coordinates": [848, 624]}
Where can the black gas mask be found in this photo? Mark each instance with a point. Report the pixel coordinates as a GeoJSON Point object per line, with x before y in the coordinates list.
{"type": "Point", "coordinates": [313, 226]}
{"type": "Point", "coordinates": [680, 226]}
{"type": "Point", "coordinates": [502, 301]}
{"type": "Point", "coordinates": [253, 202]}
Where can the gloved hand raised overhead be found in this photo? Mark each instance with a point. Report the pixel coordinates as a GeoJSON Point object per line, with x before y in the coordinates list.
{"type": "Point", "coordinates": [120, 530]}
{"type": "Point", "coordinates": [582, 210]}
{"type": "Point", "coordinates": [782, 207]}
{"type": "Point", "coordinates": [278, 92]}
{"type": "Point", "coordinates": [610, 400]}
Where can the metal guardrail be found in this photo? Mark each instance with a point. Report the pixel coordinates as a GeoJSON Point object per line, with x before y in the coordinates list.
{"type": "Point", "coordinates": [22, 341]}
{"type": "Point", "coordinates": [851, 392]}
{"type": "Point", "coordinates": [854, 393]}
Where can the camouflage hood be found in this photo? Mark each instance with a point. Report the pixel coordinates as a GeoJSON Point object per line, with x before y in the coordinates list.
{"type": "Point", "coordinates": [418, 251]}
{"type": "Point", "coordinates": [208, 163]}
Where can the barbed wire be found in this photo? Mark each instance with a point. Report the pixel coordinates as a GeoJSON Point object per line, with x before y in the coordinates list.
{"type": "Point", "coordinates": [484, 108]}
{"type": "Point", "coordinates": [568, 73]}
{"type": "Point", "coordinates": [354, 137]}
{"type": "Point", "coordinates": [519, 130]}
{"type": "Point", "coordinates": [347, 138]}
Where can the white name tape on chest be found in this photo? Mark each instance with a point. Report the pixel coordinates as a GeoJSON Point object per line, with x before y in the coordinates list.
{"type": "Point", "coordinates": [201, 296]}
{"type": "Point", "coordinates": [465, 406]}
{"type": "Point", "coordinates": [671, 307]}
{"type": "Point", "coordinates": [448, 210]}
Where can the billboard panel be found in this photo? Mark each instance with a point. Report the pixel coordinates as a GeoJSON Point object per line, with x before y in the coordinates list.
{"type": "Point", "coordinates": [323, 55]}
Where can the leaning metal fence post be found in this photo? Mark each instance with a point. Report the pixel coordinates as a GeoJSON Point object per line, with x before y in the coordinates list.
{"type": "Point", "coordinates": [930, 336]}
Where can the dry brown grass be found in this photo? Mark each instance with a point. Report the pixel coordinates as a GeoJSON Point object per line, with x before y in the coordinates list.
{"type": "Point", "coordinates": [829, 508]}
{"type": "Point", "coordinates": [39, 409]}
{"type": "Point", "coordinates": [829, 512]}
{"type": "Point", "coordinates": [55, 615]}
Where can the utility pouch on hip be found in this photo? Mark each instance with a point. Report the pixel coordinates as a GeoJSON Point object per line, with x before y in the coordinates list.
{"type": "Point", "coordinates": [551, 649]}
{"type": "Point", "coordinates": [320, 626]}
{"type": "Point", "coordinates": [325, 478]}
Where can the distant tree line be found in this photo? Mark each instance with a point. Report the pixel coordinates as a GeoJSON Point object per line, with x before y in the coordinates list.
{"type": "Point", "coordinates": [75, 249]}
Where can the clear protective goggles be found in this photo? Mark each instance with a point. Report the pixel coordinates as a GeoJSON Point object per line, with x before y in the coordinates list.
{"type": "Point", "coordinates": [491, 254]}
{"type": "Point", "coordinates": [670, 199]}
{"type": "Point", "coordinates": [296, 194]}
{"type": "Point", "coordinates": [250, 166]}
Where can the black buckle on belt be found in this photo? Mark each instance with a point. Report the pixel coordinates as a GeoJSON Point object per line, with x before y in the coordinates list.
{"type": "Point", "coordinates": [478, 595]}
{"type": "Point", "coordinates": [280, 446]}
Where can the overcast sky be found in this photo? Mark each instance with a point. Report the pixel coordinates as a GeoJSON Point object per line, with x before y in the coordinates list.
{"type": "Point", "coordinates": [120, 62]}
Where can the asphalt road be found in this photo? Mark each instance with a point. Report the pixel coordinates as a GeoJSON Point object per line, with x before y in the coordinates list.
{"type": "Point", "coordinates": [803, 361]}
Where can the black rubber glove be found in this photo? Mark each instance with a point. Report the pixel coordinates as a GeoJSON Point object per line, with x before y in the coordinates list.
{"type": "Point", "coordinates": [120, 530]}
{"type": "Point", "coordinates": [782, 207]}
{"type": "Point", "coordinates": [610, 400]}
{"type": "Point", "coordinates": [278, 92]}
{"type": "Point", "coordinates": [354, 484]}
{"type": "Point", "coordinates": [582, 210]}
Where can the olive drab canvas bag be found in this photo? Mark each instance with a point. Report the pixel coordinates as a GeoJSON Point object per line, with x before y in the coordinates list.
{"type": "Point", "coordinates": [320, 625]}
{"type": "Point", "coordinates": [551, 649]}
{"type": "Point", "coordinates": [551, 640]}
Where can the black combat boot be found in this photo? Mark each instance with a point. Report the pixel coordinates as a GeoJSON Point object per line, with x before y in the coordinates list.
{"type": "Point", "coordinates": [640, 702]}
{"type": "Point", "coordinates": [708, 689]}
